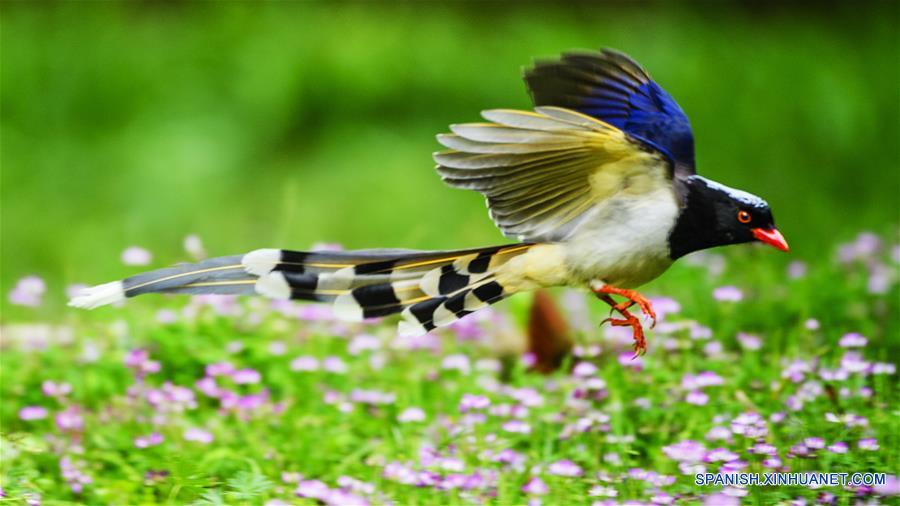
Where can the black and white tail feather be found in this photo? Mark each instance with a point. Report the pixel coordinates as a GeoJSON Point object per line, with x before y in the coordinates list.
{"type": "Point", "coordinates": [428, 288]}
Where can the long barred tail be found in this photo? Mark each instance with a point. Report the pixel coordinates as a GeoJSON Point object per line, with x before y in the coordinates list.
{"type": "Point", "coordinates": [429, 288]}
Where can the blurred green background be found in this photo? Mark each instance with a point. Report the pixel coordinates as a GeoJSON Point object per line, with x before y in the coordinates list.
{"type": "Point", "coordinates": [286, 124]}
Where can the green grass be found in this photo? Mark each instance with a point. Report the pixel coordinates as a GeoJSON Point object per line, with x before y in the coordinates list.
{"type": "Point", "coordinates": [299, 430]}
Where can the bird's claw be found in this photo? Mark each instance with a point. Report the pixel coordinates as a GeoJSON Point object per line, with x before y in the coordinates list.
{"type": "Point", "coordinates": [628, 320]}
{"type": "Point", "coordinates": [640, 344]}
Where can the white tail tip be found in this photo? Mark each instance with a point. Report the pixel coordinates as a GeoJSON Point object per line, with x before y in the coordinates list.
{"type": "Point", "coordinates": [261, 262]}
{"type": "Point", "coordinates": [407, 329]}
{"type": "Point", "coordinates": [99, 295]}
{"type": "Point", "coordinates": [273, 286]}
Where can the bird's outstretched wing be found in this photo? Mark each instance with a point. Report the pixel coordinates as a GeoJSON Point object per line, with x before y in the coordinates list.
{"type": "Point", "coordinates": [543, 171]}
{"type": "Point", "coordinates": [612, 87]}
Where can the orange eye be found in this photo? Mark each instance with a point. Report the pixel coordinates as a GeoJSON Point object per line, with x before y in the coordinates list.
{"type": "Point", "coordinates": [743, 217]}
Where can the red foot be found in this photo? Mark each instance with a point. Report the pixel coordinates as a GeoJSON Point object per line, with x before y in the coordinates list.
{"type": "Point", "coordinates": [640, 344]}
{"type": "Point", "coordinates": [603, 293]}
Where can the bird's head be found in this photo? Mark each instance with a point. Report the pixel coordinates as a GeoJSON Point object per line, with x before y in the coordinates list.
{"type": "Point", "coordinates": [716, 215]}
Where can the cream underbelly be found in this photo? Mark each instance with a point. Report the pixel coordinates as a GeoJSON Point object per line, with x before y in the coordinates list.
{"type": "Point", "coordinates": [623, 242]}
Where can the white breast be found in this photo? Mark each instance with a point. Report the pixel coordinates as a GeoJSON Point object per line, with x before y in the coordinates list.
{"type": "Point", "coordinates": [624, 242]}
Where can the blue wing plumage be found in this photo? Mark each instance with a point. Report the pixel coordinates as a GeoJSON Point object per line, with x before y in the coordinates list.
{"type": "Point", "coordinates": [612, 87]}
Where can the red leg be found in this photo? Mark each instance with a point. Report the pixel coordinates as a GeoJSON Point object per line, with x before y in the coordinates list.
{"type": "Point", "coordinates": [628, 320]}
{"type": "Point", "coordinates": [633, 298]}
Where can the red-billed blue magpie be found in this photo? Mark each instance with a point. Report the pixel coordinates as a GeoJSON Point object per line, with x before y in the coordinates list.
{"type": "Point", "coordinates": [597, 185]}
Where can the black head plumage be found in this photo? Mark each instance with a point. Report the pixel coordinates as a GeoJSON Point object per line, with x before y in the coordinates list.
{"type": "Point", "coordinates": [716, 215]}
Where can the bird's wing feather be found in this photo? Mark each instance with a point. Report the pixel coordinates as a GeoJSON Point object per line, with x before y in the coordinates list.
{"type": "Point", "coordinates": [612, 87]}
{"type": "Point", "coordinates": [542, 171]}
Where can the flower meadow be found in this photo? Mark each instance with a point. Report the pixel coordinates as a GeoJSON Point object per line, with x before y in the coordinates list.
{"type": "Point", "coordinates": [758, 364]}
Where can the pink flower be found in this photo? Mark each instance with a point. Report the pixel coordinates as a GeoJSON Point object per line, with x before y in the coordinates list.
{"type": "Point", "coordinates": [277, 348]}
{"type": "Point", "coordinates": [457, 362]}
{"type": "Point", "coordinates": [772, 462]}
{"type": "Point", "coordinates": [763, 449]}
{"type": "Point", "coordinates": [363, 342]}
{"type": "Point", "coordinates": [29, 413]}
{"type": "Point", "coordinates": [869, 444]}
{"type": "Point", "coordinates": [69, 420]}
{"type": "Point", "coordinates": [517, 427]}
{"type": "Point", "coordinates": [702, 380]}
{"type": "Point", "coordinates": [252, 402]}
{"type": "Point", "coordinates": [853, 362]}
{"type": "Point", "coordinates": [246, 376]}
{"type": "Point", "coordinates": [166, 316]}
{"type": "Point", "coordinates": [880, 278]}
{"type": "Point", "coordinates": [584, 369]}
{"type": "Point", "coordinates": [749, 341]}
{"type": "Point", "coordinates": [313, 489]}
{"type": "Point", "coordinates": [73, 474]}
{"type": "Point", "coordinates": [135, 255]}
{"type": "Point", "coordinates": [305, 363]}
{"type": "Point", "coordinates": [535, 486]}
{"type": "Point", "coordinates": [848, 419]}
{"type": "Point", "coordinates": [883, 368]}
{"type": "Point", "coordinates": [749, 425]}
{"type": "Point", "coordinates": [194, 247]}
{"type": "Point", "coordinates": [700, 332]}
{"type": "Point", "coordinates": [685, 451]}
{"type": "Point", "coordinates": [697, 398]}
{"type": "Point", "coordinates": [372, 397]}
{"type": "Point", "coordinates": [52, 389]}
{"type": "Point", "coordinates": [797, 371]}
{"type": "Point", "coordinates": [838, 447]}
{"type": "Point", "coordinates": [354, 485]}
{"type": "Point", "coordinates": [152, 439]}
{"type": "Point", "coordinates": [219, 369]}
{"type": "Point", "coordinates": [411, 414]}
{"type": "Point", "coordinates": [139, 361]}
{"type": "Point", "coordinates": [891, 486]}
{"type": "Point", "coordinates": [28, 292]}
{"type": "Point", "coordinates": [713, 349]}
{"type": "Point", "coordinates": [565, 468]}
{"type": "Point", "coordinates": [471, 402]}
{"type": "Point", "coordinates": [510, 457]}
{"type": "Point", "coordinates": [208, 386]}
{"type": "Point", "coordinates": [718, 433]}
{"type": "Point", "coordinates": [627, 359]}
{"type": "Point", "coordinates": [664, 306]}
{"type": "Point", "coordinates": [334, 365]}
{"type": "Point", "coordinates": [721, 455]}
{"type": "Point", "coordinates": [291, 477]}
{"type": "Point", "coordinates": [326, 246]}
{"type": "Point", "coordinates": [728, 294]}
{"type": "Point", "coordinates": [852, 340]}
{"type": "Point", "coordinates": [721, 499]}
{"type": "Point", "coordinates": [734, 466]}
{"type": "Point", "coordinates": [866, 245]}
{"type": "Point", "coordinates": [662, 498]}
{"type": "Point", "coordinates": [796, 269]}
{"type": "Point", "coordinates": [198, 435]}
{"type": "Point", "coordinates": [812, 324]}
{"type": "Point", "coordinates": [814, 443]}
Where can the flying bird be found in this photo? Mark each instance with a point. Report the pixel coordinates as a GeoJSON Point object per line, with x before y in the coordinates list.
{"type": "Point", "coordinates": [597, 185]}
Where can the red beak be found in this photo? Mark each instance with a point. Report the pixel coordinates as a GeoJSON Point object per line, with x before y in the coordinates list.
{"type": "Point", "coordinates": [772, 237]}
